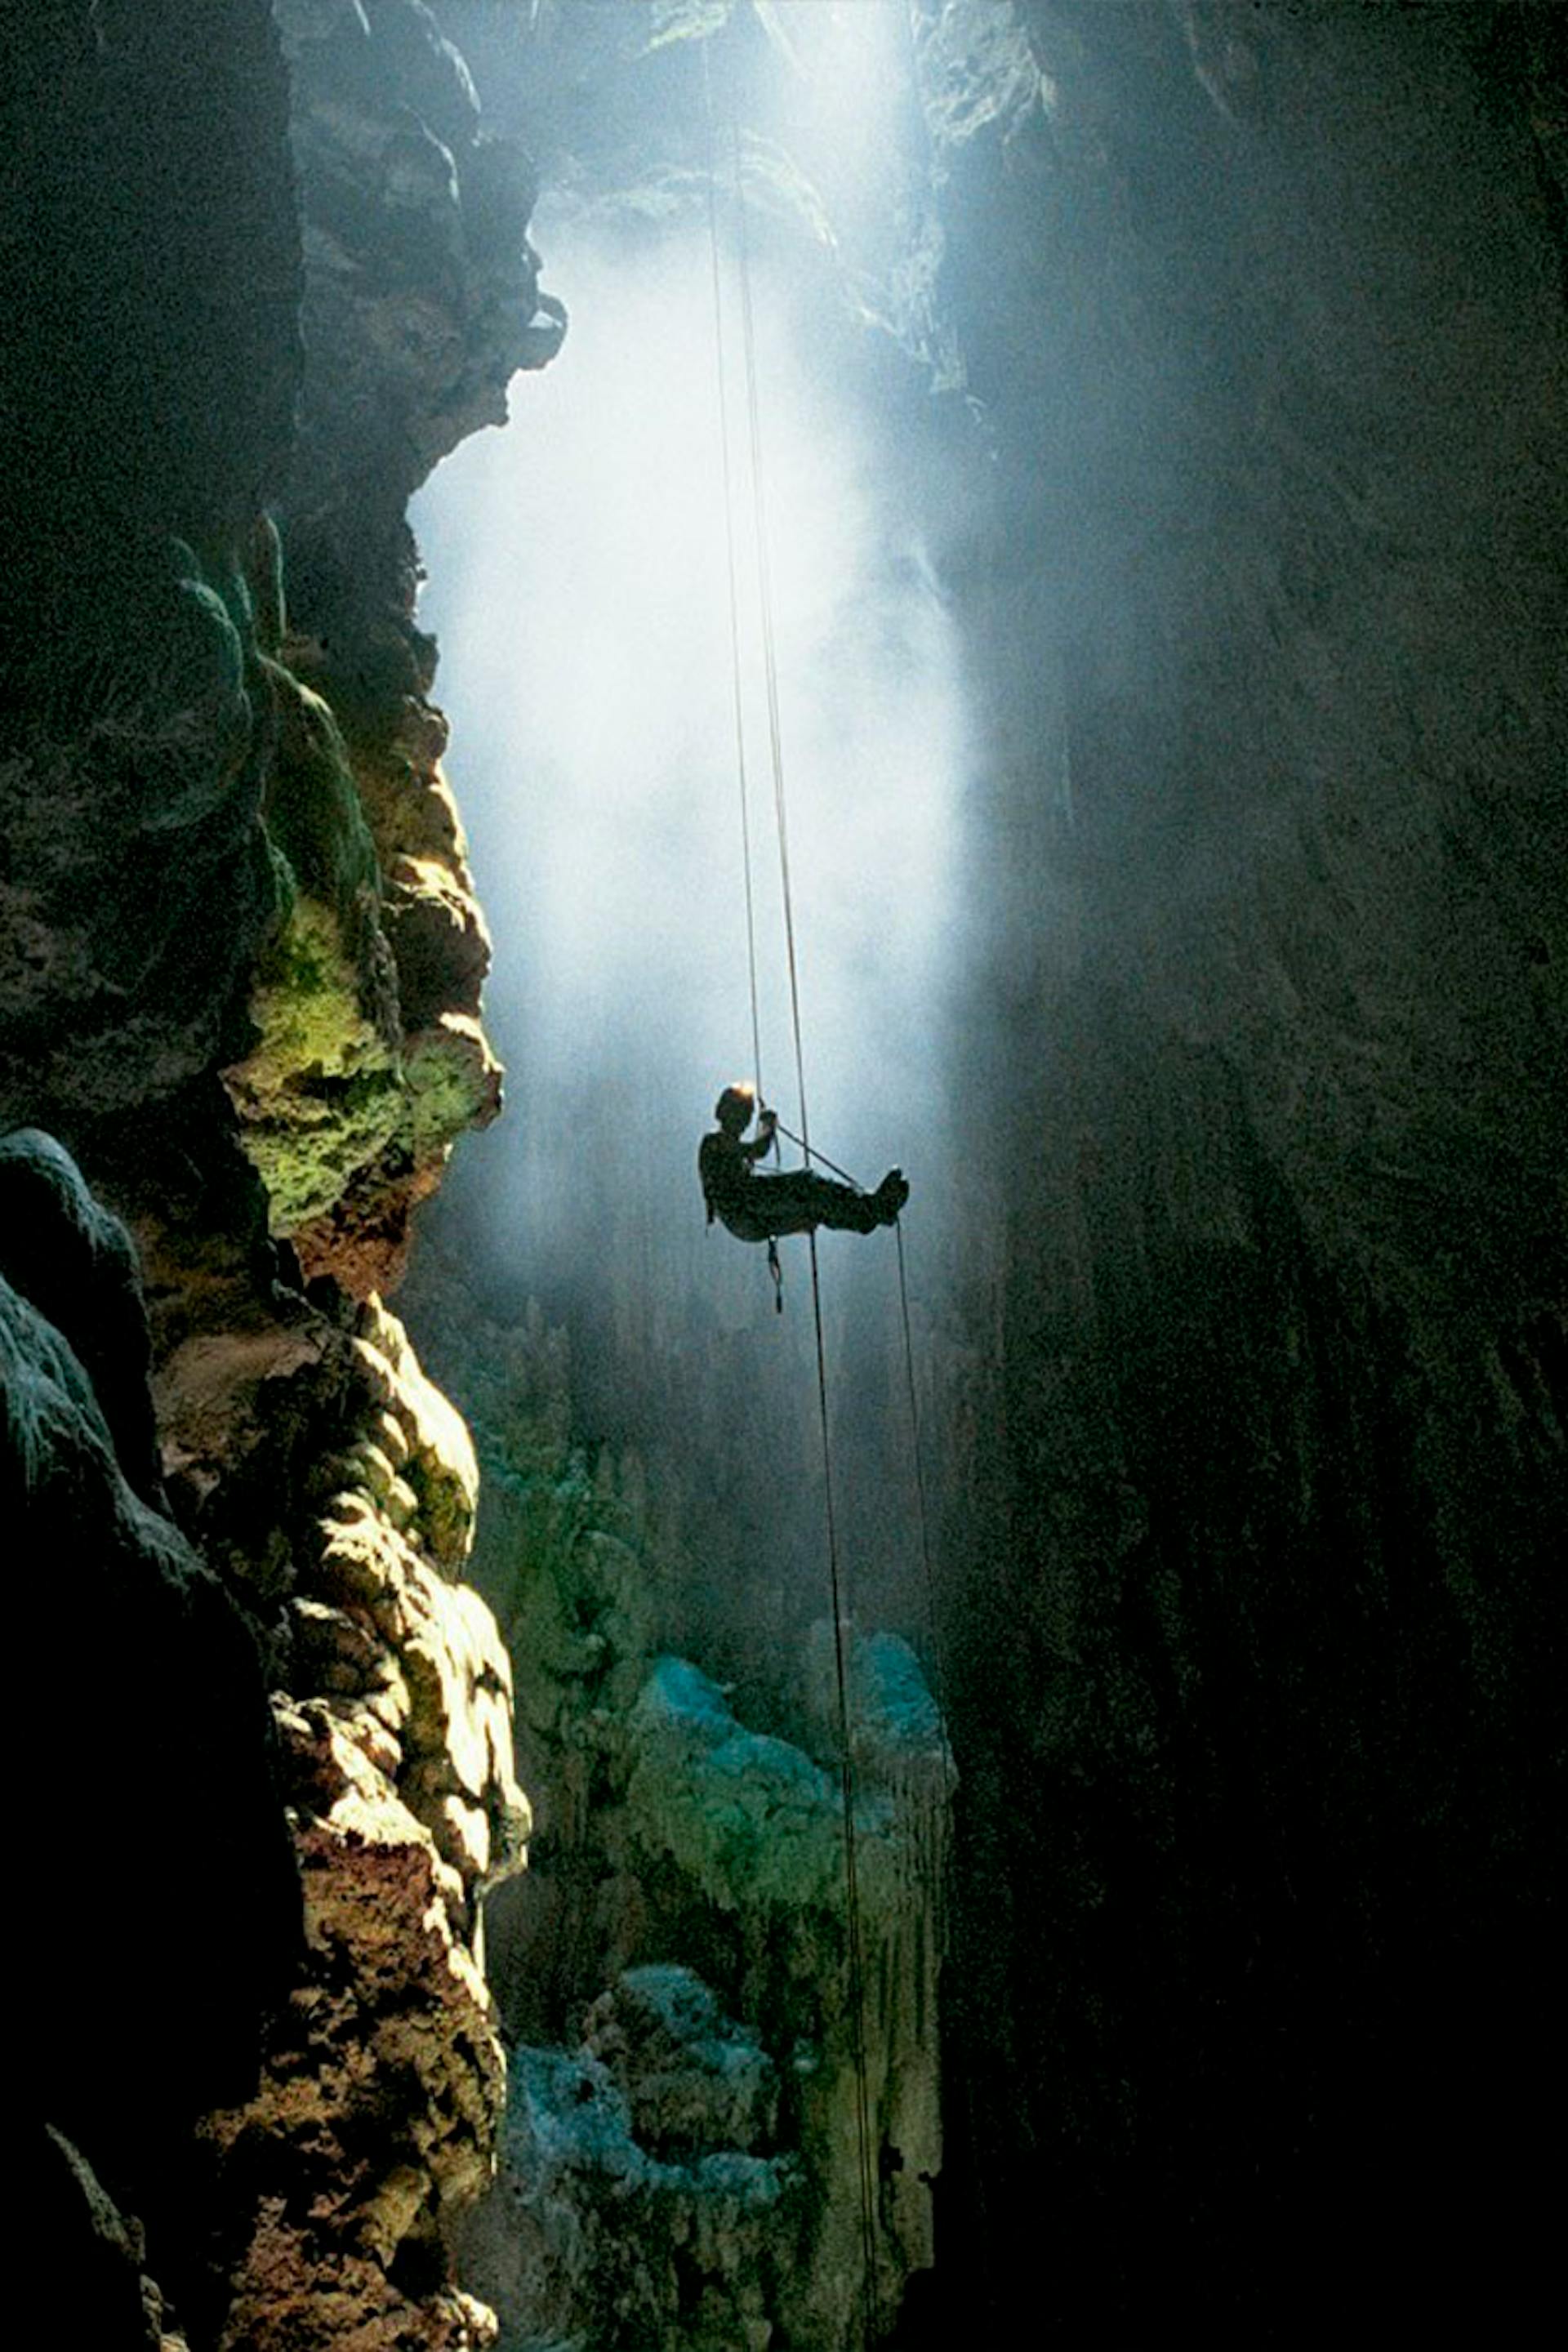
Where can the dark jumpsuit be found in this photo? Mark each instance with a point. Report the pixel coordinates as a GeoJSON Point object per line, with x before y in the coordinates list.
{"type": "Point", "coordinates": [762, 1208]}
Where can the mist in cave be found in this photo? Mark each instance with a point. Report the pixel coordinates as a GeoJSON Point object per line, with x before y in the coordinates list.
{"type": "Point", "coordinates": [1135, 676]}
{"type": "Point", "coordinates": [579, 589]}
{"type": "Point", "coordinates": [1164, 407]}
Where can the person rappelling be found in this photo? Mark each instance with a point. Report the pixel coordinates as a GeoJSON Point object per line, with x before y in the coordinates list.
{"type": "Point", "coordinates": [794, 1200]}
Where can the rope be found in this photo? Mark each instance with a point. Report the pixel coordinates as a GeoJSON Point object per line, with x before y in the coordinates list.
{"type": "Point", "coordinates": [736, 664]}
{"type": "Point", "coordinates": [916, 1448]}
{"type": "Point", "coordinates": [791, 1137]}
{"type": "Point", "coordinates": [776, 743]}
{"type": "Point", "coordinates": [770, 656]}
{"type": "Point", "coordinates": [851, 1872]}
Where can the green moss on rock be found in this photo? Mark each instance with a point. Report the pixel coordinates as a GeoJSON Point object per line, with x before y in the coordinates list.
{"type": "Point", "coordinates": [453, 1084]}
{"type": "Point", "coordinates": [321, 1093]}
{"type": "Point", "coordinates": [343, 1115]}
{"type": "Point", "coordinates": [313, 807]}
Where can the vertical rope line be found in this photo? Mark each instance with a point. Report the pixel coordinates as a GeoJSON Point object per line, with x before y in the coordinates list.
{"type": "Point", "coordinates": [938, 1669]}
{"type": "Point", "coordinates": [851, 1872]}
{"type": "Point", "coordinates": [775, 739]}
{"type": "Point", "coordinates": [770, 659]}
{"type": "Point", "coordinates": [726, 471]}
{"type": "Point", "coordinates": [943, 1893]}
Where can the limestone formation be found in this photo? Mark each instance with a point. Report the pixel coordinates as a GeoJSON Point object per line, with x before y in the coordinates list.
{"type": "Point", "coordinates": [682, 2157]}
{"type": "Point", "coordinates": [1246, 323]}
{"type": "Point", "coordinates": [641, 2198]}
{"type": "Point", "coordinates": [240, 973]}
{"type": "Point", "coordinates": [396, 1736]}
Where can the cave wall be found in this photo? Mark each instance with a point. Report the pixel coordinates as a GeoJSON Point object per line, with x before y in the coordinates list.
{"type": "Point", "coordinates": [1253, 1490]}
{"type": "Point", "coordinates": [1254, 1579]}
{"type": "Point", "coordinates": [257, 283]}
{"type": "Point", "coordinates": [680, 2162]}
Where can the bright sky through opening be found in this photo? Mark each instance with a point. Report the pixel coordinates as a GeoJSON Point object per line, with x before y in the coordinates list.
{"type": "Point", "coordinates": [579, 591]}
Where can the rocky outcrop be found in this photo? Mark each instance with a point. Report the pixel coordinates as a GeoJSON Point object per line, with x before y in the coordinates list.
{"type": "Point", "coordinates": [241, 971]}
{"type": "Point", "coordinates": [638, 2202]}
{"type": "Point", "coordinates": [145, 1691]}
{"type": "Point", "coordinates": [736, 1842]}
{"type": "Point", "coordinates": [679, 2178]}
{"type": "Point", "coordinates": [328, 2184]}
{"type": "Point", "coordinates": [398, 1768]}
{"type": "Point", "coordinates": [684, 1933]}
{"type": "Point", "coordinates": [422, 300]}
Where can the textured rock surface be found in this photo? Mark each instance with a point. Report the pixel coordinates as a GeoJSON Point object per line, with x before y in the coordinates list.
{"type": "Point", "coordinates": [1260, 1745]}
{"type": "Point", "coordinates": [684, 1854]}
{"type": "Point", "coordinates": [421, 301]}
{"type": "Point", "coordinates": [86, 2239]}
{"type": "Point", "coordinates": [375, 2117]}
{"type": "Point", "coordinates": [637, 2201]}
{"type": "Point", "coordinates": [399, 1774]}
{"type": "Point", "coordinates": [1253, 1562]}
{"type": "Point", "coordinates": [144, 1691]}
{"type": "Point", "coordinates": [239, 965]}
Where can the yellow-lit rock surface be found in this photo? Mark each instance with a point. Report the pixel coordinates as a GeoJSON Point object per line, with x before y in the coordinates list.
{"type": "Point", "coordinates": [376, 2114]}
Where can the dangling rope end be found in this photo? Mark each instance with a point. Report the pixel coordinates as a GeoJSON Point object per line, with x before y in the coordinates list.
{"type": "Point", "coordinates": [776, 1270]}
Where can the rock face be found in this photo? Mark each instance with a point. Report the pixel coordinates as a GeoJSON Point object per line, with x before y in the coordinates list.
{"type": "Point", "coordinates": [239, 968]}
{"type": "Point", "coordinates": [421, 300]}
{"type": "Point", "coordinates": [398, 1768]}
{"type": "Point", "coordinates": [144, 1687]}
{"type": "Point", "coordinates": [1252, 1703]}
{"type": "Point", "coordinates": [637, 2201]}
{"type": "Point", "coordinates": [683, 2155]}
{"type": "Point", "coordinates": [1252, 1557]}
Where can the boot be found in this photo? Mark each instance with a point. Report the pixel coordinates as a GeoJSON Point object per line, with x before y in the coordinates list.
{"type": "Point", "coordinates": [889, 1196]}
